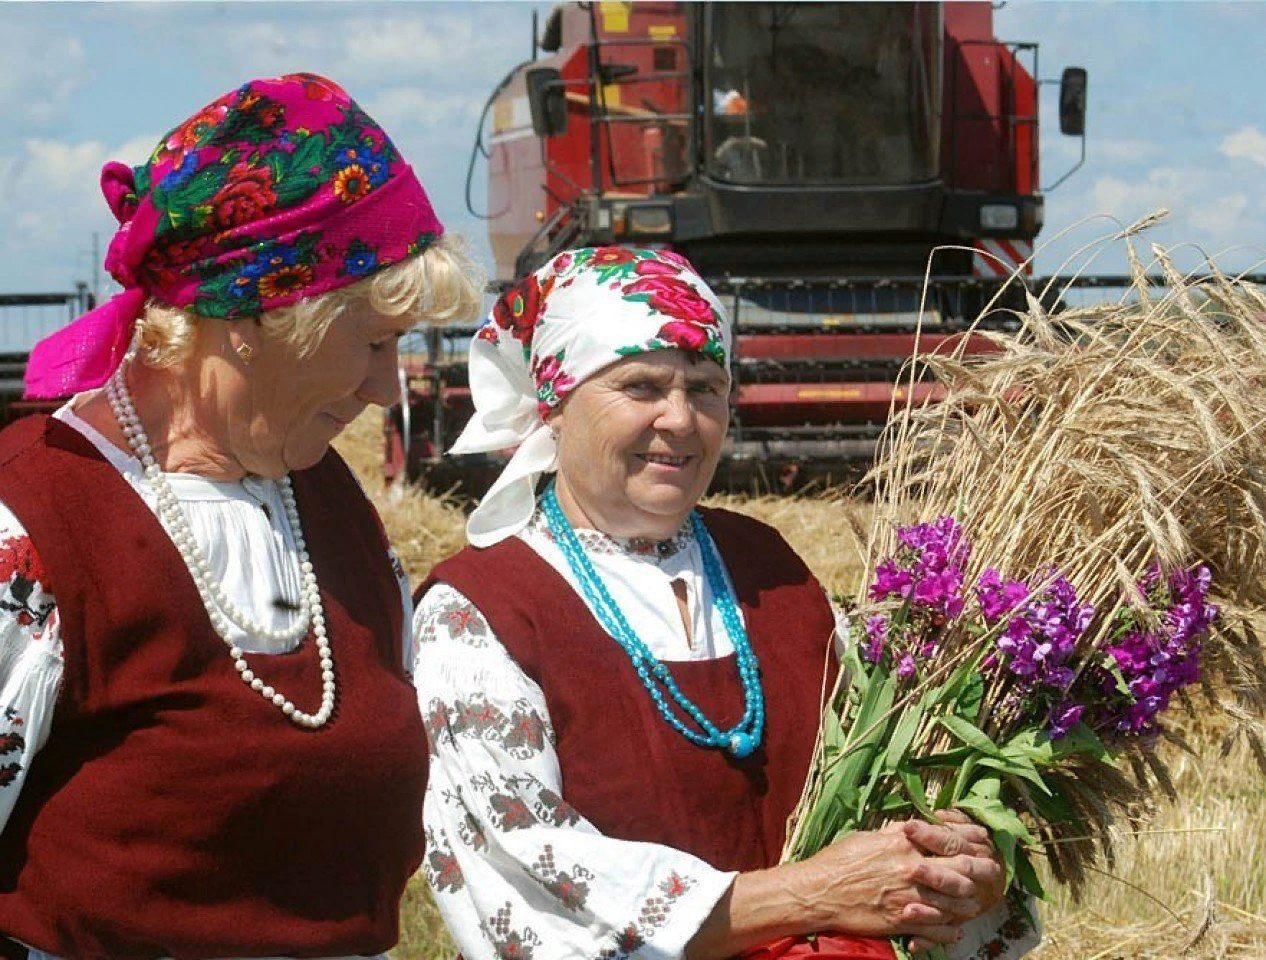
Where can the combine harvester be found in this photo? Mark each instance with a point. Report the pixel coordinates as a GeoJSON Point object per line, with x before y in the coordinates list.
{"type": "Point", "coordinates": [808, 158]}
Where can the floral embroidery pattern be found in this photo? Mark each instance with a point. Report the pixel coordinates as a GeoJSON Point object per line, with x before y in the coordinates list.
{"type": "Point", "coordinates": [518, 311]}
{"type": "Point", "coordinates": [552, 382]}
{"type": "Point", "coordinates": [511, 944]}
{"type": "Point", "coordinates": [360, 260]}
{"type": "Point", "coordinates": [653, 915]}
{"type": "Point", "coordinates": [11, 741]}
{"type": "Point", "coordinates": [1018, 927]}
{"type": "Point", "coordinates": [553, 809]}
{"type": "Point", "coordinates": [510, 812]}
{"type": "Point", "coordinates": [441, 868]}
{"type": "Point", "coordinates": [461, 620]}
{"type": "Point", "coordinates": [522, 733]}
{"type": "Point", "coordinates": [694, 326]}
{"type": "Point", "coordinates": [595, 541]}
{"type": "Point", "coordinates": [22, 579]}
{"type": "Point", "coordinates": [570, 889]}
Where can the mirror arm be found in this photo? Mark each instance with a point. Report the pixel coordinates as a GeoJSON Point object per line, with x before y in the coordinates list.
{"type": "Point", "coordinates": [1075, 167]}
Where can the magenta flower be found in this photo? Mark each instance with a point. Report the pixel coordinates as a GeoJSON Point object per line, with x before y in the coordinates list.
{"type": "Point", "coordinates": [876, 638]}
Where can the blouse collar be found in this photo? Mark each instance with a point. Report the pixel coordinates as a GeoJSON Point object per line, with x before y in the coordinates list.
{"type": "Point", "coordinates": [644, 548]}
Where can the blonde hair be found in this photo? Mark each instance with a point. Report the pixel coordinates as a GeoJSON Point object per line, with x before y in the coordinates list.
{"type": "Point", "coordinates": [440, 285]}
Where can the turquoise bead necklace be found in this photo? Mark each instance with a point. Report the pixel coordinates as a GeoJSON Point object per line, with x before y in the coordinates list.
{"type": "Point", "coordinates": [744, 737]}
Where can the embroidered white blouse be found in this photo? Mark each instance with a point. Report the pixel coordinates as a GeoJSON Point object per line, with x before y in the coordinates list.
{"type": "Point", "coordinates": [514, 868]}
{"type": "Point", "coordinates": [243, 532]}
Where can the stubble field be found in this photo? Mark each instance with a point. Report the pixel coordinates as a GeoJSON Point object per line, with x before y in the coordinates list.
{"type": "Point", "coordinates": [1189, 879]}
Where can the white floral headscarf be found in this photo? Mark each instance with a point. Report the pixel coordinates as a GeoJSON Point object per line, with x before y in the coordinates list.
{"type": "Point", "coordinates": [579, 313]}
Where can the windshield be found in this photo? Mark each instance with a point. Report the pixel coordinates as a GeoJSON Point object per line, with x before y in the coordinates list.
{"type": "Point", "coordinates": [845, 93]}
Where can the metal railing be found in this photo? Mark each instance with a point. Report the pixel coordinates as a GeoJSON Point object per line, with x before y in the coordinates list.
{"type": "Point", "coordinates": [26, 318]}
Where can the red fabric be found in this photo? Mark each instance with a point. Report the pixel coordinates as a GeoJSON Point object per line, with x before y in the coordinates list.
{"type": "Point", "coordinates": [173, 812]}
{"type": "Point", "coordinates": [623, 767]}
{"type": "Point", "coordinates": [824, 946]}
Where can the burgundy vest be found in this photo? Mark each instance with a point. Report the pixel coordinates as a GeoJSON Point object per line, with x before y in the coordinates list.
{"type": "Point", "coordinates": [173, 812]}
{"type": "Point", "coordinates": [623, 767]}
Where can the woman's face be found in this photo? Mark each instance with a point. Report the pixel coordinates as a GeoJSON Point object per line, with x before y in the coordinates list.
{"type": "Point", "coordinates": [287, 409]}
{"type": "Point", "coordinates": [639, 442]}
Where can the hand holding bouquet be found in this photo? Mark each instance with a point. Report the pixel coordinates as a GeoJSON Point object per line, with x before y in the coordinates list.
{"type": "Point", "coordinates": [1066, 549]}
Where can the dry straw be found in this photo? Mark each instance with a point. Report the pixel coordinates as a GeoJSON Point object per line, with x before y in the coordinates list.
{"type": "Point", "coordinates": [1099, 441]}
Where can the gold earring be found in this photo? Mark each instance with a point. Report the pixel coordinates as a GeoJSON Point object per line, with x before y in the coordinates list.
{"type": "Point", "coordinates": [246, 352]}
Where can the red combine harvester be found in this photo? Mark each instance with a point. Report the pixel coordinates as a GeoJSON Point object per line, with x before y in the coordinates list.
{"type": "Point", "coordinates": [808, 158]}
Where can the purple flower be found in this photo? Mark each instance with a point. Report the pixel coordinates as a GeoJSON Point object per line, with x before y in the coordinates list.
{"type": "Point", "coordinates": [1155, 661]}
{"type": "Point", "coordinates": [999, 597]}
{"type": "Point", "coordinates": [1063, 717]}
{"type": "Point", "coordinates": [876, 638]}
{"type": "Point", "coordinates": [890, 581]}
{"type": "Point", "coordinates": [1040, 639]}
{"type": "Point", "coordinates": [905, 667]}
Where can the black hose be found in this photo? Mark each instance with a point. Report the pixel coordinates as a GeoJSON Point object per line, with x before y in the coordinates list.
{"type": "Point", "coordinates": [479, 147]}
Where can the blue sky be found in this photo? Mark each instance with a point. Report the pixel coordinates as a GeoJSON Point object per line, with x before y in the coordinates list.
{"type": "Point", "coordinates": [1176, 119]}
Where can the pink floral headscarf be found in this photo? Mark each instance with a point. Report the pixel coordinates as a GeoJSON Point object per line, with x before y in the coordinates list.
{"type": "Point", "coordinates": [276, 191]}
{"type": "Point", "coordinates": [581, 312]}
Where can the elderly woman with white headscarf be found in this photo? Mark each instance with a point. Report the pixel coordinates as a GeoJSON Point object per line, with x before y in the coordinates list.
{"type": "Point", "coordinates": [620, 690]}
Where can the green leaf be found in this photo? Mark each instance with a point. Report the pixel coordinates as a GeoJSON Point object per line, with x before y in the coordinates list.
{"type": "Point", "coordinates": [971, 735]}
{"type": "Point", "coordinates": [295, 187]}
{"type": "Point", "coordinates": [917, 793]}
{"type": "Point", "coordinates": [946, 758]}
{"type": "Point", "coordinates": [997, 817]}
{"type": "Point", "coordinates": [310, 153]}
{"type": "Point", "coordinates": [277, 165]}
{"type": "Point", "coordinates": [902, 735]}
{"type": "Point", "coordinates": [1026, 875]}
{"type": "Point", "coordinates": [967, 703]}
{"type": "Point", "coordinates": [1005, 843]}
{"type": "Point", "coordinates": [1017, 768]}
{"type": "Point", "coordinates": [204, 185]}
{"type": "Point", "coordinates": [963, 780]}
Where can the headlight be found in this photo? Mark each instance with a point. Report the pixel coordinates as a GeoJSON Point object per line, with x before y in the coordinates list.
{"type": "Point", "coordinates": [999, 216]}
{"type": "Point", "coordinates": [652, 220]}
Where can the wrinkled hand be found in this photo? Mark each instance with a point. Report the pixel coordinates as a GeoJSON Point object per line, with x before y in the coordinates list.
{"type": "Point", "coordinates": [958, 836]}
{"type": "Point", "coordinates": [909, 878]}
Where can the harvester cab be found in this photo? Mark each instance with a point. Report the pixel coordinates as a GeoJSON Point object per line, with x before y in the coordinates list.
{"type": "Point", "coordinates": [849, 177]}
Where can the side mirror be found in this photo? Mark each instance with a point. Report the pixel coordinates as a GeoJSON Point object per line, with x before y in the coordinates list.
{"type": "Point", "coordinates": [1072, 102]}
{"type": "Point", "coordinates": [547, 100]}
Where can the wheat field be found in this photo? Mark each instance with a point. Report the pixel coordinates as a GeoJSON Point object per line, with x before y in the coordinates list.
{"type": "Point", "coordinates": [1189, 878]}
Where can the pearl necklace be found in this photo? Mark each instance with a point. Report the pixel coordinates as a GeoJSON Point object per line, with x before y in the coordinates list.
{"type": "Point", "coordinates": [220, 608]}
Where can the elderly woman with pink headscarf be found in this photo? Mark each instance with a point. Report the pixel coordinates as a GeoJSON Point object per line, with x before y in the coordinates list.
{"type": "Point", "coordinates": [208, 734]}
{"type": "Point", "coordinates": [621, 690]}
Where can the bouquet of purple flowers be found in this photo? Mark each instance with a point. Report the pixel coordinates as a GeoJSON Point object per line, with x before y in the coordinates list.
{"type": "Point", "coordinates": [1063, 552]}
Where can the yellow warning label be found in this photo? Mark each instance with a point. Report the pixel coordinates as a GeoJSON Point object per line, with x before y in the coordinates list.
{"type": "Point", "coordinates": [502, 116]}
{"type": "Point", "coordinates": [615, 16]}
{"type": "Point", "coordinates": [662, 31]}
{"type": "Point", "coordinates": [828, 393]}
{"type": "Point", "coordinates": [611, 94]}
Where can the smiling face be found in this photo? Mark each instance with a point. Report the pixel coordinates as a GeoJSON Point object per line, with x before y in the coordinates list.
{"type": "Point", "coordinates": [639, 441]}
{"type": "Point", "coordinates": [284, 409]}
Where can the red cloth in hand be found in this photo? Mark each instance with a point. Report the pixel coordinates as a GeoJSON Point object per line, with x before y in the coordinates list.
{"type": "Point", "coordinates": [824, 946]}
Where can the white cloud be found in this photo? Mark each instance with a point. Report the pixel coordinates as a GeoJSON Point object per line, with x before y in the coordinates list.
{"type": "Point", "coordinates": [1247, 143]}
{"type": "Point", "coordinates": [40, 71]}
{"type": "Point", "coordinates": [435, 42]}
{"type": "Point", "coordinates": [1167, 187]}
{"type": "Point", "coordinates": [1220, 216]}
{"type": "Point", "coordinates": [409, 46]}
{"type": "Point", "coordinates": [1124, 150]}
{"type": "Point", "coordinates": [50, 190]}
{"type": "Point", "coordinates": [402, 107]}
